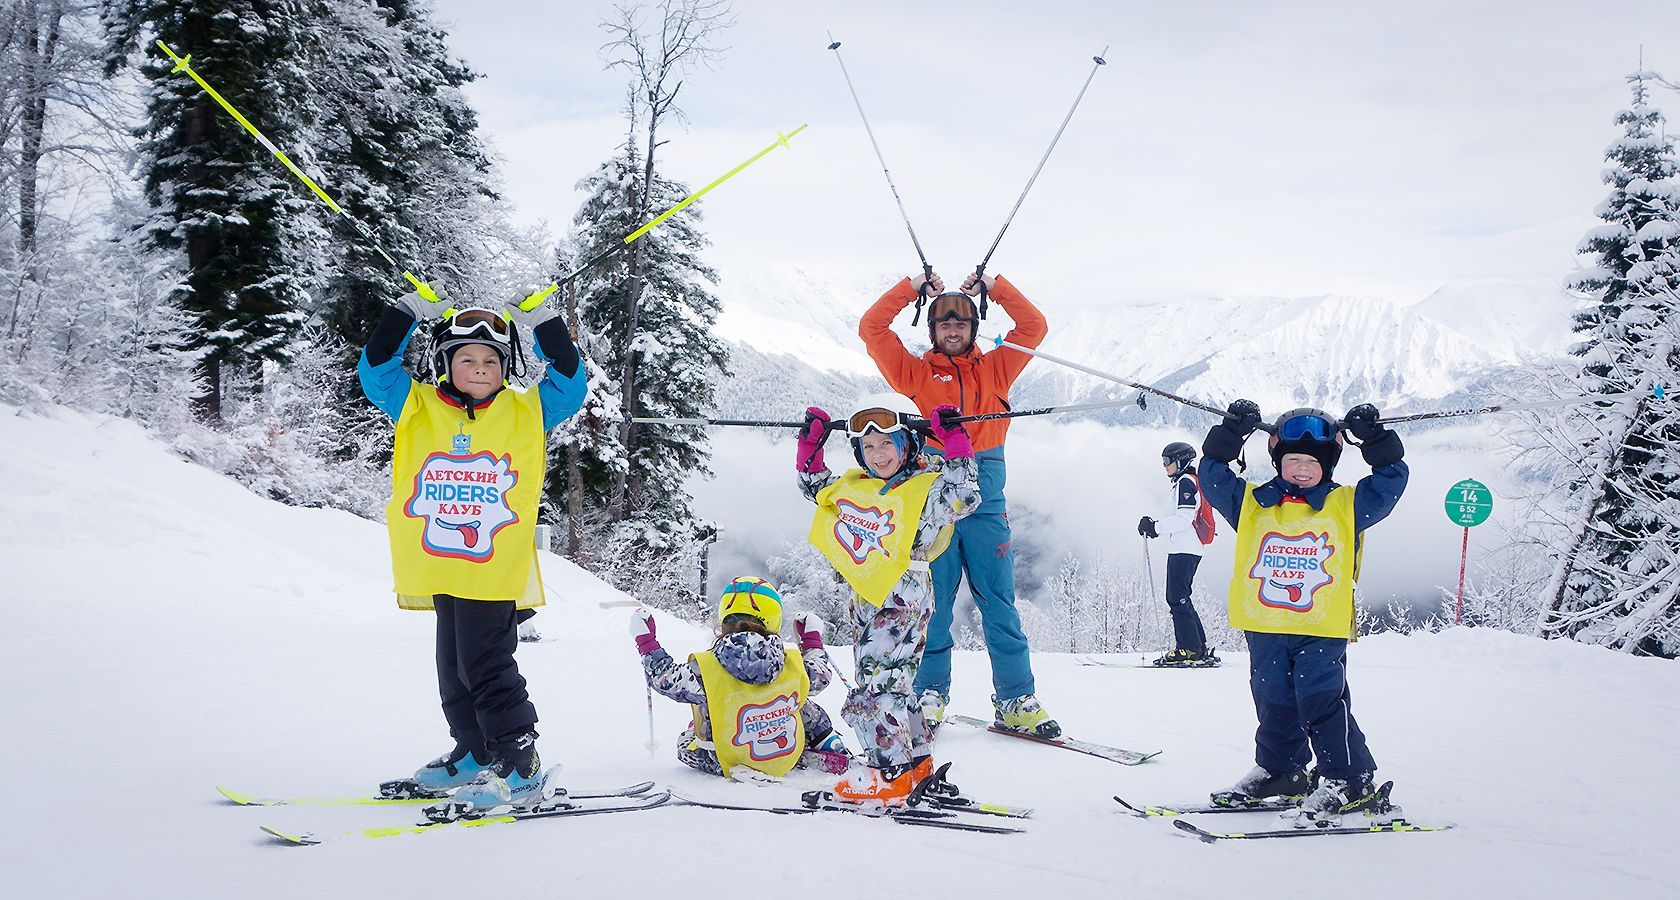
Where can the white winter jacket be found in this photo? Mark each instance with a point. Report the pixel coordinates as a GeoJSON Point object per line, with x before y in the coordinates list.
{"type": "Point", "coordinates": [1177, 527]}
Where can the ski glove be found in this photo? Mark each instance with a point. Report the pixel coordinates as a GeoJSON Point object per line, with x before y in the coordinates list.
{"type": "Point", "coordinates": [531, 318]}
{"type": "Point", "coordinates": [951, 435]}
{"type": "Point", "coordinates": [1378, 443]}
{"type": "Point", "coordinates": [420, 308]}
{"type": "Point", "coordinates": [1224, 440]}
{"type": "Point", "coordinates": [1146, 527]}
{"type": "Point", "coordinates": [643, 630]}
{"type": "Point", "coordinates": [811, 437]}
{"type": "Point", "coordinates": [809, 627]}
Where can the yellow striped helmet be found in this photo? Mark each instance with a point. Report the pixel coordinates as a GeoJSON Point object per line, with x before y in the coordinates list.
{"type": "Point", "coordinates": [752, 597]}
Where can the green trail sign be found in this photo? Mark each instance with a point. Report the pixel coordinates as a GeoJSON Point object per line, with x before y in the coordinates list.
{"type": "Point", "coordinates": [1469, 503]}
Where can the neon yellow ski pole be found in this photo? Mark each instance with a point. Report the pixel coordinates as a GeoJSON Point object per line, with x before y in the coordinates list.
{"type": "Point", "coordinates": [781, 140]}
{"type": "Point", "coordinates": [184, 64]}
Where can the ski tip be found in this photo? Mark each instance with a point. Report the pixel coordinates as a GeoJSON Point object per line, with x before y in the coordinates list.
{"type": "Point", "coordinates": [241, 799]}
{"type": "Point", "coordinates": [303, 839]}
{"type": "Point", "coordinates": [1205, 837]}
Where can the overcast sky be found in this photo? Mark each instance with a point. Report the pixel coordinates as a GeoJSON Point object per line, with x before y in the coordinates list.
{"type": "Point", "coordinates": [1263, 148]}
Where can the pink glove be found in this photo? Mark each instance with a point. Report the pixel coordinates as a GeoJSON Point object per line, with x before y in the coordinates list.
{"type": "Point", "coordinates": [642, 629]}
{"type": "Point", "coordinates": [811, 438]}
{"type": "Point", "coordinates": [953, 437]}
{"type": "Point", "coordinates": [809, 627]}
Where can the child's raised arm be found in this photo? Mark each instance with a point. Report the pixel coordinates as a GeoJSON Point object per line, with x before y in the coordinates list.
{"type": "Point", "coordinates": [957, 492]}
{"type": "Point", "coordinates": [813, 473]}
{"type": "Point", "coordinates": [380, 369]}
{"type": "Point", "coordinates": [679, 682]}
{"type": "Point", "coordinates": [1378, 493]}
{"type": "Point", "coordinates": [564, 385]}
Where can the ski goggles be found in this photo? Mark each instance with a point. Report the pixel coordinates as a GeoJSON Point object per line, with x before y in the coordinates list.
{"type": "Point", "coordinates": [884, 421]}
{"type": "Point", "coordinates": [1309, 425]}
{"type": "Point", "coordinates": [951, 306]}
{"type": "Point", "coordinates": [468, 323]}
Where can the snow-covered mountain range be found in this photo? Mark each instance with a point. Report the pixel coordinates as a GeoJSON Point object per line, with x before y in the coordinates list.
{"type": "Point", "coordinates": [795, 337]}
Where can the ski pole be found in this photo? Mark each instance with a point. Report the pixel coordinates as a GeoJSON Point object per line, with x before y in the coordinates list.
{"type": "Point", "coordinates": [1657, 392]}
{"type": "Point", "coordinates": [1149, 566]}
{"type": "Point", "coordinates": [998, 341]}
{"type": "Point", "coordinates": [927, 270]}
{"type": "Point", "coordinates": [652, 742]}
{"type": "Point", "coordinates": [184, 64]}
{"type": "Point", "coordinates": [915, 422]}
{"type": "Point", "coordinates": [780, 141]}
{"type": "Point", "coordinates": [980, 270]}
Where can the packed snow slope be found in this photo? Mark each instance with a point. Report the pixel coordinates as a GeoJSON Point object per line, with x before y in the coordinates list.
{"type": "Point", "coordinates": [167, 631]}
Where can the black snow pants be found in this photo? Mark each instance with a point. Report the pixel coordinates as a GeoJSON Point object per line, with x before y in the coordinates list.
{"type": "Point", "coordinates": [484, 698]}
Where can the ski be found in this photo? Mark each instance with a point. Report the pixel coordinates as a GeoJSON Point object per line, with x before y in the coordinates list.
{"type": "Point", "coordinates": [1149, 812]}
{"type": "Point", "coordinates": [418, 796]}
{"type": "Point", "coordinates": [1203, 664]}
{"type": "Point", "coordinates": [1395, 826]}
{"type": "Point", "coordinates": [565, 808]}
{"type": "Point", "coordinates": [921, 817]}
{"type": "Point", "coordinates": [1112, 754]}
{"type": "Point", "coordinates": [938, 791]}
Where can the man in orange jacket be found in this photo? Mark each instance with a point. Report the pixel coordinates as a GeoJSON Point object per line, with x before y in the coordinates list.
{"type": "Point", "coordinates": [955, 371]}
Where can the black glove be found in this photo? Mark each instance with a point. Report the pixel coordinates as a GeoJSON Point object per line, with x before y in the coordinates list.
{"type": "Point", "coordinates": [1225, 440]}
{"type": "Point", "coordinates": [1378, 444]}
{"type": "Point", "coordinates": [1146, 527]}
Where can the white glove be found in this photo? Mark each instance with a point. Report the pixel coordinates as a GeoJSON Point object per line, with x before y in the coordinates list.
{"type": "Point", "coordinates": [531, 318]}
{"type": "Point", "coordinates": [642, 631]}
{"type": "Point", "coordinates": [422, 309]}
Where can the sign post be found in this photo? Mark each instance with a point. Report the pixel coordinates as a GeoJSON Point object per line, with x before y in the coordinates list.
{"type": "Point", "coordinates": [1469, 503]}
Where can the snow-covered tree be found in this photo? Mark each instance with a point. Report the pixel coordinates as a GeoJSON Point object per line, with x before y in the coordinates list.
{"type": "Point", "coordinates": [245, 228]}
{"type": "Point", "coordinates": [1617, 577]}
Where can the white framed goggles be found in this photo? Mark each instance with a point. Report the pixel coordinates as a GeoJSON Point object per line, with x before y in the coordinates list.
{"type": "Point", "coordinates": [884, 421]}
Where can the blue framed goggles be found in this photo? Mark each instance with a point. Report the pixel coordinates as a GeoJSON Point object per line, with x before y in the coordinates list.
{"type": "Point", "coordinates": [1307, 426]}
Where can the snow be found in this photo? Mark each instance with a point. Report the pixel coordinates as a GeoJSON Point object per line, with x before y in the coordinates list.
{"type": "Point", "coordinates": [169, 631]}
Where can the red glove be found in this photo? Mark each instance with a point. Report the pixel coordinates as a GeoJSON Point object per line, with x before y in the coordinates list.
{"type": "Point", "coordinates": [811, 438]}
{"type": "Point", "coordinates": [954, 437]}
{"type": "Point", "coordinates": [809, 627]}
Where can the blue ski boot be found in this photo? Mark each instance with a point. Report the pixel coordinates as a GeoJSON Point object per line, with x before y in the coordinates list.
{"type": "Point", "coordinates": [451, 770]}
{"type": "Point", "coordinates": [513, 779]}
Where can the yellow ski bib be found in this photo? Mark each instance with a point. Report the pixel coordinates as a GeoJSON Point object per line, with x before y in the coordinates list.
{"type": "Point", "coordinates": [754, 725]}
{"type": "Point", "coordinates": [464, 492]}
{"type": "Point", "coordinates": [1296, 567]}
{"type": "Point", "coordinates": [868, 535]}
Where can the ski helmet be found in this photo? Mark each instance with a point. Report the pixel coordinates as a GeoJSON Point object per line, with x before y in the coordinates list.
{"type": "Point", "coordinates": [755, 598]}
{"type": "Point", "coordinates": [953, 305]}
{"type": "Point", "coordinates": [472, 325]}
{"type": "Point", "coordinates": [1178, 452]}
{"type": "Point", "coordinates": [894, 415]}
{"type": "Point", "coordinates": [1313, 432]}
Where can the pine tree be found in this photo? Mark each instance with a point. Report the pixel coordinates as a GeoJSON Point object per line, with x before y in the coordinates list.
{"type": "Point", "coordinates": [1617, 581]}
{"type": "Point", "coordinates": [217, 195]}
{"type": "Point", "coordinates": [679, 358]}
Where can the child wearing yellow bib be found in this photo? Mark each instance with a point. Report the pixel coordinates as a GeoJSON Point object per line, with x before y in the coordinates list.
{"type": "Point", "coordinates": [881, 525]}
{"type": "Point", "coordinates": [751, 694]}
{"type": "Point", "coordinates": [1299, 541]}
{"type": "Point", "coordinates": [466, 478]}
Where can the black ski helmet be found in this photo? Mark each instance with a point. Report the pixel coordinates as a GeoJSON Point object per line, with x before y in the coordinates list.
{"type": "Point", "coordinates": [1178, 452]}
{"type": "Point", "coordinates": [953, 305]}
{"type": "Point", "coordinates": [1307, 430]}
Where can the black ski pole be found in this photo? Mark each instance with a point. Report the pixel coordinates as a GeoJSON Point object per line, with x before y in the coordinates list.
{"type": "Point", "coordinates": [1657, 392]}
{"type": "Point", "coordinates": [980, 270]}
{"type": "Point", "coordinates": [927, 270]}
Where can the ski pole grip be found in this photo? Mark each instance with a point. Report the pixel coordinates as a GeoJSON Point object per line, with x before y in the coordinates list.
{"type": "Point", "coordinates": [980, 281]}
{"type": "Point", "coordinates": [922, 292]}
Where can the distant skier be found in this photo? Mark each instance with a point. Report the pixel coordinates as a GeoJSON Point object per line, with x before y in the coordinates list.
{"type": "Point", "coordinates": [751, 694]}
{"type": "Point", "coordinates": [955, 371]}
{"type": "Point", "coordinates": [1299, 542]}
{"type": "Point", "coordinates": [1185, 529]}
{"type": "Point", "coordinates": [881, 525]}
{"type": "Point", "coordinates": [467, 474]}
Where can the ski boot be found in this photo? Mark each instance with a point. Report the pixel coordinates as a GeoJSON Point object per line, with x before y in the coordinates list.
{"type": "Point", "coordinates": [1025, 715]}
{"type": "Point", "coordinates": [440, 776]}
{"type": "Point", "coordinates": [887, 787]}
{"type": "Point", "coordinates": [1260, 785]}
{"type": "Point", "coordinates": [514, 778]}
{"type": "Point", "coordinates": [1335, 797]}
{"type": "Point", "coordinates": [1186, 659]}
{"type": "Point", "coordinates": [528, 633]}
{"type": "Point", "coordinates": [933, 708]}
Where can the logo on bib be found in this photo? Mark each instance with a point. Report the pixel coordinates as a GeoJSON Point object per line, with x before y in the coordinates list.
{"type": "Point", "coordinates": [1291, 568]}
{"type": "Point", "coordinates": [860, 529]}
{"type": "Point", "coordinates": [767, 729]}
{"type": "Point", "coordinates": [464, 502]}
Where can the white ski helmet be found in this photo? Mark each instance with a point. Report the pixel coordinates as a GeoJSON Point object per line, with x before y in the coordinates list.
{"type": "Point", "coordinates": [887, 414]}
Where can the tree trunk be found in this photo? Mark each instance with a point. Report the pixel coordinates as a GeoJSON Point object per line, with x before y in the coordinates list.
{"type": "Point", "coordinates": [618, 506]}
{"type": "Point", "coordinates": [38, 57]}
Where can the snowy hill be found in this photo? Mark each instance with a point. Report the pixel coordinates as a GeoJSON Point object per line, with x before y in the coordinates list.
{"type": "Point", "coordinates": [168, 631]}
{"type": "Point", "coordinates": [1281, 351]}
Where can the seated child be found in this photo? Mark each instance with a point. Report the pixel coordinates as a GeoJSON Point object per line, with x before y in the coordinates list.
{"type": "Point", "coordinates": [750, 693]}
